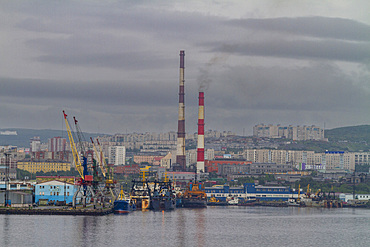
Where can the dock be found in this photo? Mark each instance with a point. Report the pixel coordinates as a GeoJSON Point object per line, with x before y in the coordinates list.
{"type": "Point", "coordinates": [57, 211]}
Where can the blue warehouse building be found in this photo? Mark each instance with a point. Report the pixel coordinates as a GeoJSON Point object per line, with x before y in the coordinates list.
{"type": "Point", "coordinates": [55, 191]}
{"type": "Point", "coordinates": [251, 191]}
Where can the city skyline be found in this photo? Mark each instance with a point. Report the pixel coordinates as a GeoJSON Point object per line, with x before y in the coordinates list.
{"type": "Point", "coordinates": [114, 65]}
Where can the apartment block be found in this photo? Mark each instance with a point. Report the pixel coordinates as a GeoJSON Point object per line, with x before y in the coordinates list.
{"type": "Point", "coordinates": [117, 155]}
{"type": "Point", "coordinates": [297, 133]}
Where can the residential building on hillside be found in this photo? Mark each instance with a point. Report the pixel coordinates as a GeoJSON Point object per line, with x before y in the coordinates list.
{"type": "Point", "coordinates": [117, 155]}
{"type": "Point", "coordinates": [303, 160]}
{"type": "Point", "coordinates": [297, 133]}
{"type": "Point", "coordinates": [57, 144]}
{"type": "Point", "coordinates": [35, 144]}
{"type": "Point", "coordinates": [223, 167]}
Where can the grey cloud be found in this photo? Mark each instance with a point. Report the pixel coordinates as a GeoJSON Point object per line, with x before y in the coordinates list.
{"type": "Point", "coordinates": [320, 87]}
{"type": "Point", "coordinates": [317, 26]}
{"type": "Point", "coordinates": [107, 93]}
{"type": "Point", "coordinates": [300, 49]}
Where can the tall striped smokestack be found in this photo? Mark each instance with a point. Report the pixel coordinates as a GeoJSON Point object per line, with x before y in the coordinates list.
{"type": "Point", "coordinates": [200, 150]}
{"type": "Point", "coordinates": [180, 158]}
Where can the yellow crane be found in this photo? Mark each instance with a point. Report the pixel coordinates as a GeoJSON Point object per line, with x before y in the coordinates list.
{"type": "Point", "coordinates": [76, 155]}
{"type": "Point", "coordinates": [308, 194]}
{"type": "Point", "coordinates": [102, 164]}
{"type": "Point", "coordinates": [85, 182]}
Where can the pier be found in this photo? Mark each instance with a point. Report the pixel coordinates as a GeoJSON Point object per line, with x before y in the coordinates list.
{"type": "Point", "coordinates": [57, 211]}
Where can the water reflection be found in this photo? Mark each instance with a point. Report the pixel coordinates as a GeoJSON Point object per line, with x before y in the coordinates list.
{"type": "Point", "coordinates": [214, 226]}
{"type": "Point", "coordinates": [180, 227]}
{"type": "Point", "coordinates": [6, 231]}
{"type": "Point", "coordinates": [200, 227]}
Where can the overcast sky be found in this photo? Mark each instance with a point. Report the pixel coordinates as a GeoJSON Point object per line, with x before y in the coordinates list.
{"type": "Point", "coordinates": [115, 64]}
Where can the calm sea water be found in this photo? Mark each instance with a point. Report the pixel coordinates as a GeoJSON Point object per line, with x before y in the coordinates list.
{"type": "Point", "coordinates": [214, 226]}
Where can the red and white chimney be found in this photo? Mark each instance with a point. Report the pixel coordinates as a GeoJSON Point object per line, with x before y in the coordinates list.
{"type": "Point", "coordinates": [200, 150]}
{"type": "Point", "coordinates": [180, 157]}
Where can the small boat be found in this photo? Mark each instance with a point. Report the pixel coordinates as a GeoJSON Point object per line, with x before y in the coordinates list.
{"type": "Point", "coordinates": [213, 201]}
{"type": "Point", "coordinates": [248, 202]}
{"type": "Point", "coordinates": [232, 201]}
{"type": "Point", "coordinates": [123, 205]}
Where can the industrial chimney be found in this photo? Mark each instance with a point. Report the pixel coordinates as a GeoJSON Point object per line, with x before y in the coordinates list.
{"type": "Point", "coordinates": [200, 150]}
{"type": "Point", "coordinates": [180, 158]}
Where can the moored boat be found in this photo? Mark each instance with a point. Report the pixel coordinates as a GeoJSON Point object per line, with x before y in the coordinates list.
{"type": "Point", "coordinates": [194, 196]}
{"type": "Point", "coordinates": [213, 201]}
{"type": "Point", "coordinates": [163, 197]}
{"type": "Point", "coordinates": [122, 205]}
{"type": "Point", "coordinates": [140, 194]}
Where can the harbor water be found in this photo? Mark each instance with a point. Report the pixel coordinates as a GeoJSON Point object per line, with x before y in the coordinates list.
{"type": "Point", "coordinates": [212, 226]}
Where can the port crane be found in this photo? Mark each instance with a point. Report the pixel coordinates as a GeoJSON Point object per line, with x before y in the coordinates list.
{"type": "Point", "coordinates": [109, 182]}
{"type": "Point", "coordinates": [85, 182]}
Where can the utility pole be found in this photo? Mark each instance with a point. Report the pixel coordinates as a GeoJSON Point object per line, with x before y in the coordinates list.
{"type": "Point", "coordinates": [6, 199]}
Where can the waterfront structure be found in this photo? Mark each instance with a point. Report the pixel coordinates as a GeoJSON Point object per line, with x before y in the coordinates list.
{"type": "Point", "coordinates": [16, 198]}
{"type": "Point", "coordinates": [296, 133]}
{"type": "Point", "coordinates": [361, 197]}
{"type": "Point", "coordinates": [55, 191]}
{"type": "Point", "coordinates": [34, 166]}
{"type": "Point", "coordinates": [252, 191]}
{"type": "Point", "coordinates": [17, 185]}
{"type": "Point", "coordinates": [117, 155]}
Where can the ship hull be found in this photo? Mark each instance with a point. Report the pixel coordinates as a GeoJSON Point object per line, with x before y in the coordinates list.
{"type": "Point", "coordinates": [122, 207]}
{"type": "Point", "coordinates": [194, 203]}
{"type": "Point", "coordinates": [163, 204]}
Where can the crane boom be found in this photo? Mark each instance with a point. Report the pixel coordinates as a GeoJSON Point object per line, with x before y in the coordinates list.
{"type": "Point", "coordinates": [76, 156]}
{"type": "Point", "coordinates": [101, 165]}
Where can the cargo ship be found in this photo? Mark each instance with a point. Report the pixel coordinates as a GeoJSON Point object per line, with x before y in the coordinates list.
{"type": "Point", "coordinates": [163, 197]}
{"type": "Point", "coordinates": [194, 196]}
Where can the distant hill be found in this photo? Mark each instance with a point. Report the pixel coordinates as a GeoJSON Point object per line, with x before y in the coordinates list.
{"type": "Point", "coordinates": [22, 139]}
{"type": "Point", "coordinates": [351, 138]}
{"type": "Point", "coordinates": [358, 134]}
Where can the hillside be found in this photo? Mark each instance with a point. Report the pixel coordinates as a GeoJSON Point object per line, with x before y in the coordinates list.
{"type": "Point", "coordinates": [352, 139]}
{"type": "Point", "coordinates": [358, 134]}
{"type": "Point", "coordinates": [22, 139]}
